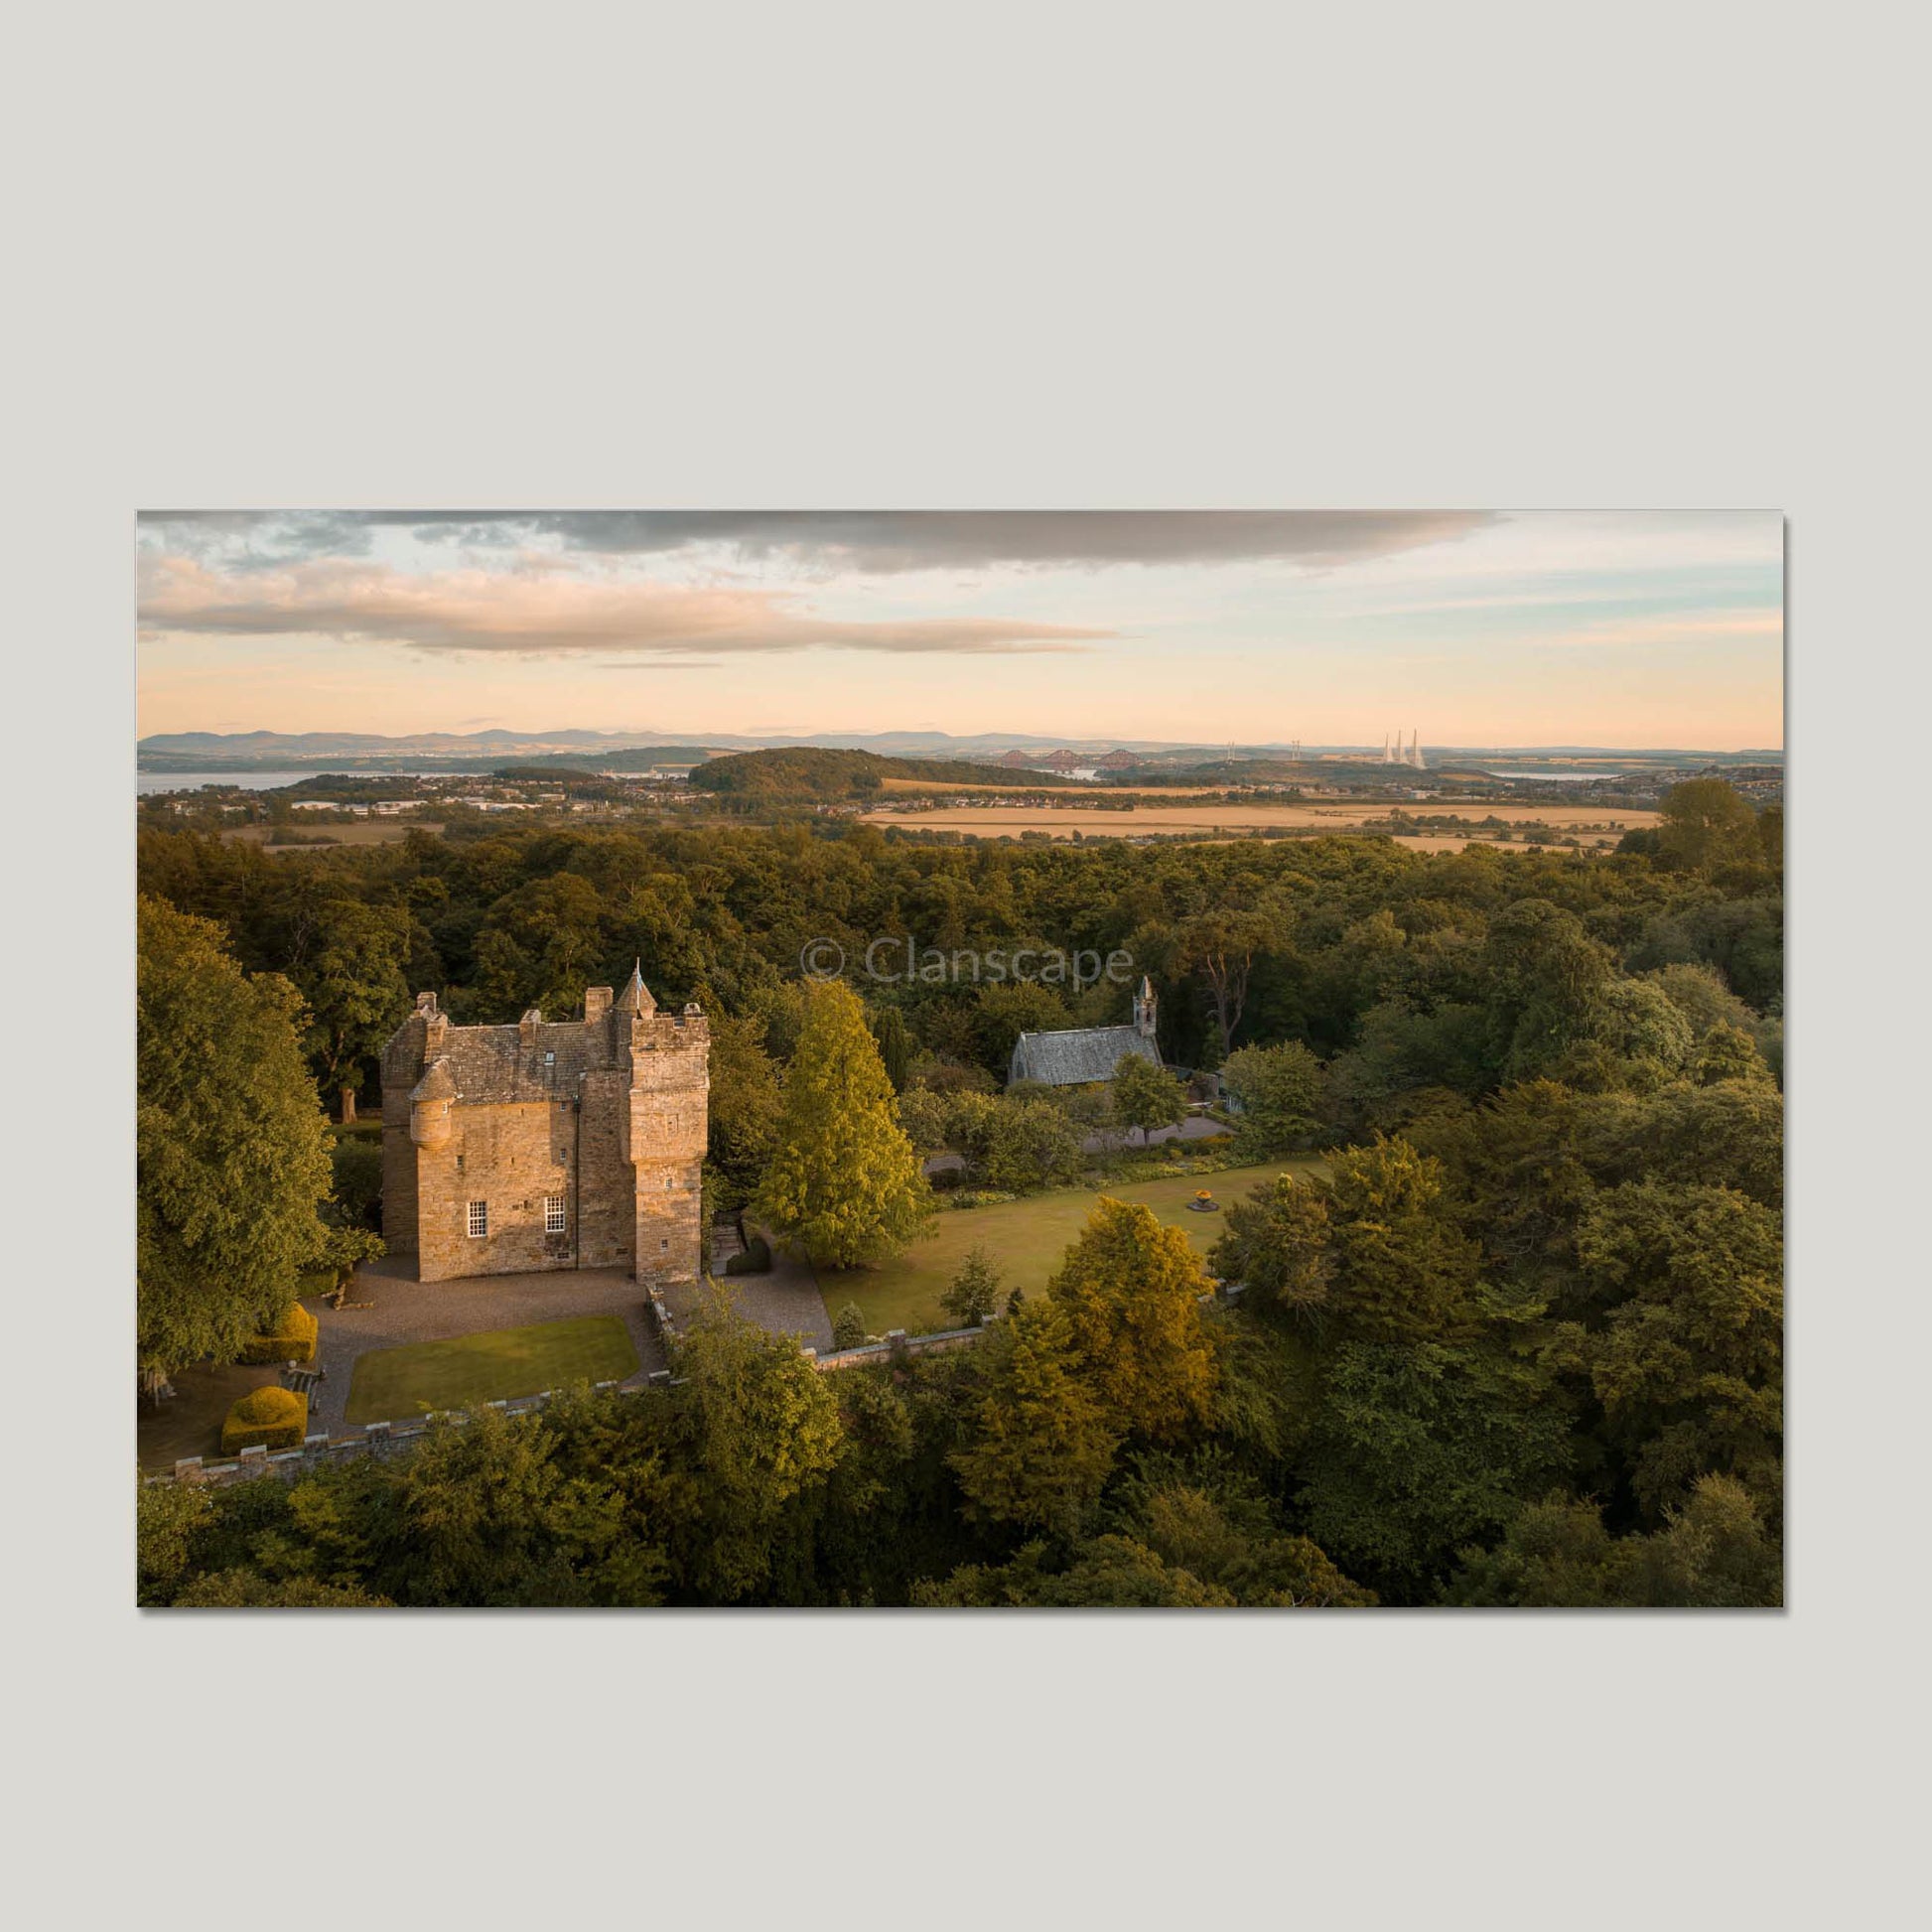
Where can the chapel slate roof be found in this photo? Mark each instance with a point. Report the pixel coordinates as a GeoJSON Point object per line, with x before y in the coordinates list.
{"type": "Point", "coordinates": [1077, 1056]}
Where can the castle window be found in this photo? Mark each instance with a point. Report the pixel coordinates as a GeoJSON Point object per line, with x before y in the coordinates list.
{"type": "Point", "coordinates": [479, 1223]}
{"type": "Point", "coordinates": [553, 1213]}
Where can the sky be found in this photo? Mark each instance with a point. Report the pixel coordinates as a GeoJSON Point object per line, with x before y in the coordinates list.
{"type": "Point", "coordinates": [1629, 629]}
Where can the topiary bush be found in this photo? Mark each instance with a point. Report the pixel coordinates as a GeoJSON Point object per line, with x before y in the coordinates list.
{"type": "Point", "coordinates": [277, 1418]}
{"type": "Point", "coordinates": [754, 1260]}
{"type": "Point", "coordinates": [293, 1341]}
{"type": "Point", "coordinates": [849, 1327]}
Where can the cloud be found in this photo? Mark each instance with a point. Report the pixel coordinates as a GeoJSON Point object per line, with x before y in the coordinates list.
{"type": "Point", "coordinates": [869, 541]}
{"type": "Point", "coordinates": [1668, 629]}
{"type": "Point", "coordinates": [541, 613]}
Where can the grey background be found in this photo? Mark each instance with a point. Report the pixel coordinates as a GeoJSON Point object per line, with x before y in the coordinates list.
{"type": "Point", "coordinates": [997, 256]}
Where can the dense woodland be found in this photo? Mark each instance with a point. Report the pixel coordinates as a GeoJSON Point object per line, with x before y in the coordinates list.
{"type": "Point", "coordinates": [1521, 1345]}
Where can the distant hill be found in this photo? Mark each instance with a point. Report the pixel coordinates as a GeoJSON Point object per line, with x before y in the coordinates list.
{"type": "Point", "coordinates": [815, 776]}
{"type": "Point", "coordinates": [646, 758]}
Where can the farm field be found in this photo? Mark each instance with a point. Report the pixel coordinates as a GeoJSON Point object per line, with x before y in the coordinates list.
{"type": "Point", "coordinates": [376, 831]}
{"type": "Point", "coordinates": [1027, 1239]}
{"type": "Point", "coordinates": [993, 821]}
{"type": "Point", "coordinates": [1035, 782]}
{"type": "Point", "coordinates": [398, 1384]}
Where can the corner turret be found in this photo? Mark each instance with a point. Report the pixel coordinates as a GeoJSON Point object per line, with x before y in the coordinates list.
{"type": "Point", "coordinates": [429, 1105]}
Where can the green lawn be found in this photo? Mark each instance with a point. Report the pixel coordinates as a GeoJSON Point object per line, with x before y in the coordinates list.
{"type": "Point", "coordinates": [398, 1384]}
{"type": "Point", "coordinates": [1027, 1239]}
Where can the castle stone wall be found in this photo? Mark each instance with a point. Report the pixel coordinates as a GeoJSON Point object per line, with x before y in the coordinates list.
{"type": "Point", "coordinates": [510, 1157]}
{"type": "Point", "coordinates": [608, 1112]}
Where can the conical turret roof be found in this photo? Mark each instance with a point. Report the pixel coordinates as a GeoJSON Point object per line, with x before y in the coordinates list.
{"type": "Point", "coordinates": [437, 1083]}
{"type": "Point", "coordinates": [635, 996]}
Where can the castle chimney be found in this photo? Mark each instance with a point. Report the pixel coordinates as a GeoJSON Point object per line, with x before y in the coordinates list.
{"type": "Point", "coordinates": [526, 1028]}
{"type": "Point", "coordinates": [597, 1002]}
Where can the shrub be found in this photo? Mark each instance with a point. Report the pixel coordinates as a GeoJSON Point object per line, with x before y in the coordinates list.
{"type": "Point", "coordinates": [849, 1327]}
{"type": "Point", "coordinates": [277, 1418]}
{"type": "Point", "coordinates": [293, 1341]}
{"type": "Point", "coordinates": [754, 1260]}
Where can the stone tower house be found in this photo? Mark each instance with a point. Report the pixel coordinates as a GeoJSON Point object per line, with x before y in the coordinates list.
{"type": "Point", "coordinates": [549, 1144]}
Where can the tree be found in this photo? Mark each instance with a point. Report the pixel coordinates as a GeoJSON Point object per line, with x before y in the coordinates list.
{"type": "Point", "coordinates": [231, 1145]}
{"type": "Point", "coordinates": [356, 1165]}
{"type": "Point", "coordinates": [1130, 1290]}
{"type": "Point", "coordinates": [1705, 824]}
{"type": "Point", "coordinates": [1727, 1054]}
{"type": "Point", "coordinates": [1639, 1022]}
{"type": "Point", "coordinates": [1686, 1360]}
{"type": "Point", "coordinates": [1713, 1553]}
{"type": "Point", "coordinates": [745, 1101]}
{"type": "Point", "coordinates": [1280, 1093]}
{"type": "Point", "coordinates": [974, 1292]}
{"type": "Point", "coordinates": [170, 1520]}
{"type": "Point", "coordinates": [537, 946]}
{"type": "Point", "coordinates": [1279, 1245]}
{"type": "Point", "coordinates": [1546, 984]}
{"type": "Point", "coordinates": [1030, 1145]}
{"type": "Point", "coordinates": [342, 1251]}
{"type": "Point", "coordinates": [842, 1179]}
{"type": "Point", "coordinates": [1419, 1450]}
{"type": "Point", "coordinates": [1699, 993]}
{"type": "Point", "coordinates": [925, 1118]}
{"type": "Point", "coordinates": [489, 1515]}
{"type": "Point", "coordinates": [849, 1326]}
{"type": "Point", "coordinates": [894, 1045]}
{"type": "Point", "coordinates": [1003, 1013]}
{"type": "Point", "coordinates": [1203, 1514]}
{"type": "Point", "coordinates": [755, 1426]}
{"type": "Point", "coordinates": [1106, 1572]}
{"type": "Point", "coordinates": [1402, 1269]}
{"type": "Point", "coordinates": [1145, 1096]}
{"type": "Point", "coordinates": [1039, 1441]}
{"type": "Point", "coordinates": [357, 988]}
{"type": "Point", "coordinates": [1223, 947]}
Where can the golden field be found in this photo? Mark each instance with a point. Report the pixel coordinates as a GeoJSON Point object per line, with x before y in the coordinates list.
{"type": "Point", "coordinates": [1594, 824]}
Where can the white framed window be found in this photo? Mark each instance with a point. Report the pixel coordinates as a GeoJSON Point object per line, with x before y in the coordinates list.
{"type": "Point", "coordinates": [553, 1213]}
{"type": "Point", "coordinates": [478, 1220]}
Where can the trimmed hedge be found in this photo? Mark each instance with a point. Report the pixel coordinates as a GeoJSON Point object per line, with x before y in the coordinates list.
{"type": "Point", "coordinates": [754, 1260]}
{"type": "Point", "coordinates": [277, 1418]}
{"type": "Point", "coordinates": [294, 1341]}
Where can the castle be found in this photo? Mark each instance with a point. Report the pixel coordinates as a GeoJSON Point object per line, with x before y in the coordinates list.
{"type": "Point", "coordinates": [1073, 1056]}
{"type": "Point", "coordinates": [549, 1144]}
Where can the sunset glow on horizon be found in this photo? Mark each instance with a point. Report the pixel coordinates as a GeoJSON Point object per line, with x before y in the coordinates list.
{"type": "Point", "coordinates": [1615, 628]}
